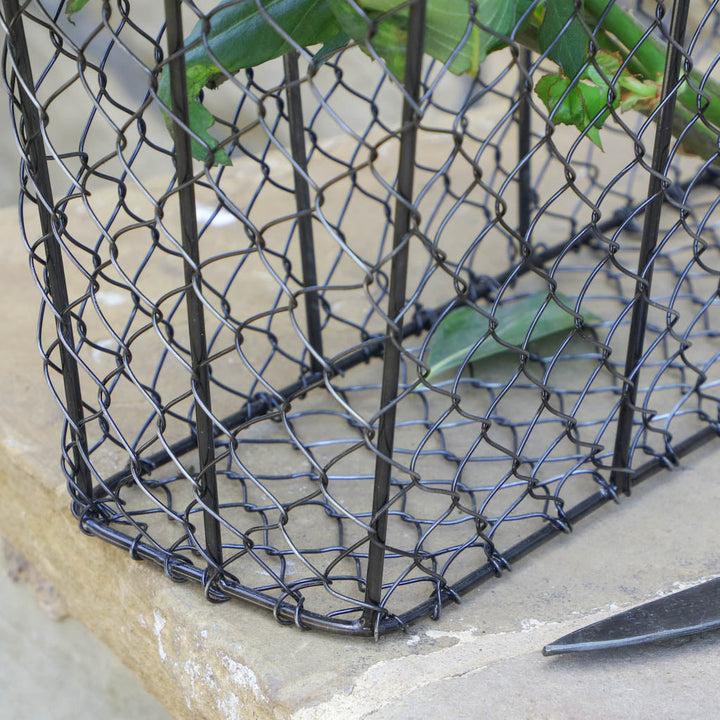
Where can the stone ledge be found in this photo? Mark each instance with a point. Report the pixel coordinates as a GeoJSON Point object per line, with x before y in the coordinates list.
{"type": "Point", "coordinates": [19, 570]}
{"type": "Point", "coordinates": [233, 661]}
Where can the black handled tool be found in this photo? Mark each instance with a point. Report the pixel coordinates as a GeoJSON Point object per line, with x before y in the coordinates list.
{"type": "Point", "coordinates": [686, 612]}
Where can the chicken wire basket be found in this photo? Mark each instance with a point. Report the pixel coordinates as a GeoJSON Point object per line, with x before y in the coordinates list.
{"type": "Point", "coordinates": [350, 333]}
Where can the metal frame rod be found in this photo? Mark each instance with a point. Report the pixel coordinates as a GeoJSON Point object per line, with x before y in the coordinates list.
{"type": "Point", "coordinates": [396, 304]}
{"type": "Point", "coordinates": [207, 478]}
{"type": "Point", "coordinates": [550, 530]}
{"type": "Point", "coordinates": [262, 404]}
{"type": "Point", "coordinates": [181, 569]}
{"type": "Point", "coordinates": [524, 119]}
{"type": "Point", "coordinates": [651, 228]}
{"type": "Point", "coordinates": [302, 203]}
{"type": "Point", "coordinates": [55, 268]}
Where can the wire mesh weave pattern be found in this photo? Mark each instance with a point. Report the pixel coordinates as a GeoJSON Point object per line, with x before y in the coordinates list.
{"type": "Point", "coordinates": [241, 350]}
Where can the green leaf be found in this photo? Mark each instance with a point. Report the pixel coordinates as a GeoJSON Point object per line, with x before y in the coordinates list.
{"type": "Point", "coordinates": [585, 104]}
{"type": "Point", "coordinates": [240, 37]}
{"type": "Point", "coordinates": [390, 42]}
{"type": "Point", "coordinates": [459, 331]}
{"type": "Point", "coordinates": [500, 17]}
{"type": "Point", "coordinates": [329, 49]}
{"type": "Point", "coordinates": [74, 6]}
{"type": "Point", "coordinates": [447, 23]}
{"type": "Point", "coordinates": [567, 46]}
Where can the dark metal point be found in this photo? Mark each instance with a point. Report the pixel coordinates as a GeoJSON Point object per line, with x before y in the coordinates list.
{"type": "Point", "coordinates": [687, 612]}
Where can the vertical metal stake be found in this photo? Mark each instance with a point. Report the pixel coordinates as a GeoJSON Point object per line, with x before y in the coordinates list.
{"type": "Point", "coordinates": [207, 479]}
{"type": "Point", "coordinates": [524, 117]}
{"type": "Point", "coordinates": [302, 203]}
{"type": "Point", "coordinates": [396, 302]}
{"type": "Point", "coordinates": [620, 476]}
{"type": "Point", "coordinates": [55, 268]}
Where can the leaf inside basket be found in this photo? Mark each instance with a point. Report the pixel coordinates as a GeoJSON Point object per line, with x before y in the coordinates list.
{"type": "Point", "coordinates": [460, 330]}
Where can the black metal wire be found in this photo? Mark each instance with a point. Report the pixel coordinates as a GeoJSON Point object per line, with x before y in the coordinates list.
{"type": "Point", "coordinates": [241, 351]}
{"type": "Point", "coordinates": [403, 226]}
{"type": "Point", "coordinates": [207, 491]}
{"type": "Point", "coordinates": [57, 295]}
{"type": "Point", "coordinates": [651, 230]}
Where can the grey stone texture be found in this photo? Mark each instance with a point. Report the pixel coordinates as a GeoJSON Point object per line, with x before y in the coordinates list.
{"type": "Point", "coordinates": [231, 661]}
{"type": "Point", "coordinates": [482, 658]}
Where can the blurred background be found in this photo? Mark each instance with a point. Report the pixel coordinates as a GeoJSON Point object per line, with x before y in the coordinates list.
{"type": "Point", "coordinates": [52, 666]}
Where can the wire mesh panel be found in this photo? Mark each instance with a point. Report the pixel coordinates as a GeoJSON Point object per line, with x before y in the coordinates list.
{"type": "Point", "coordinates": [341, 327]}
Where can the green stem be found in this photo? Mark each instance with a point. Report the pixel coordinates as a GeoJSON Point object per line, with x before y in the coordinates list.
{"type": "Point", "coordinates": [651, 55]}
{"type": "Point", "coordinates": [700, 140]}
{"type": "Point", "coordinates": [711, 90]}
{"type": "Point", "coordinates": [630, 33]}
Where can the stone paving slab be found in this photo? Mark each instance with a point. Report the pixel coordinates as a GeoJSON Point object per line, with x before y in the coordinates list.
{"type": "Point", "coordinates": [56, 669]}
{"type": "Point", "coordinates": [483, 657]}
{"type": "Point", "coordinates": [481, 660]}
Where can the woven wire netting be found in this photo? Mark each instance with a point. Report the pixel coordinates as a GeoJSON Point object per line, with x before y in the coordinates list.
{"type": "Point", "coordinates": [224, 350]}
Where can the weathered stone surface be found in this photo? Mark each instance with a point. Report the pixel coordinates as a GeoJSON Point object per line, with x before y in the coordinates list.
{"type": "Point", "coordinates": [232, 661]}
{"type": "Point", "coordinates": [481, 660]}
{"type": "Point", "coordinates": [58, 669]}
{"type": "Point", "coordinates": [19, 570]}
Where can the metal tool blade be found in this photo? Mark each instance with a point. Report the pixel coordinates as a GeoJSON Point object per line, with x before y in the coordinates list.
{"type": "Point", "coordinates": [690, 611]}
